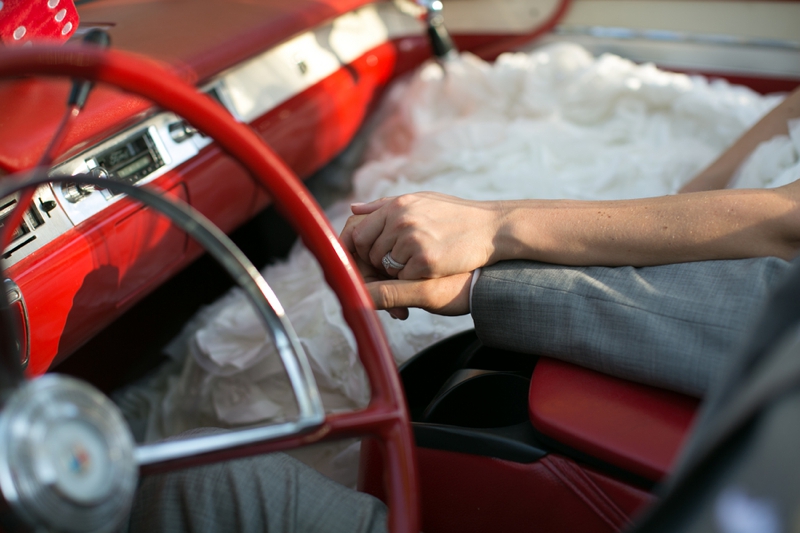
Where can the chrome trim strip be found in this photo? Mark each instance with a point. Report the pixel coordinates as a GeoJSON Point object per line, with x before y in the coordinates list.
{"type": "Point", "coordinates": [721, 59]}
{"type": "Point", "coordinates": [610, 32]}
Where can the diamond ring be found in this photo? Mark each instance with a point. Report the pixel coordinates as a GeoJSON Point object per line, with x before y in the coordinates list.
{"type": "Point", "coordinates": [389, 262]}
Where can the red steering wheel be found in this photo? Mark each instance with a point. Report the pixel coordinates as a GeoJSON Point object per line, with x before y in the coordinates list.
{"type": "Point", "coordinates": [386, 417]}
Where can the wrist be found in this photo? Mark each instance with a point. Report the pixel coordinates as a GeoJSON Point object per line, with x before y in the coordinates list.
{"type": "Point", "coordinates": [512, 231]}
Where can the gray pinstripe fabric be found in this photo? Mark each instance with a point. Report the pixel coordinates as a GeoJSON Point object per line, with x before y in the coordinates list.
{"type": "Point", "coordinates": [270, 493]}
{"type": "Point", "coordinates": [673, 326]}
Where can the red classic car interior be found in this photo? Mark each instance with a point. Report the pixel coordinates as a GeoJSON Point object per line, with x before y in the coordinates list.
{"type": "Point", "coordinates": [504, 443]}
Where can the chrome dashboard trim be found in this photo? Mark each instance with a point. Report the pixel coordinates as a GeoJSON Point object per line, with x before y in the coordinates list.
{"type": "Point", "coordinates": [264, 82]}
{"type": "Point", "coordinates": [704, 53]}
{"type": "Point", "coordinates": [55, 223]}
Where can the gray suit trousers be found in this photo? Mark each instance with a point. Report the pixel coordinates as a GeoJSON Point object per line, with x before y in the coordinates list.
{"type": "Point", "coordinates": [272, 493]}
{"type": "Point", "coordinates": [672, 326]}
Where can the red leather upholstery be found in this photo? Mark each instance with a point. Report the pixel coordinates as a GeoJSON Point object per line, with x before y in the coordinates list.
{"type": "Point", "coordinates": [635, 427]}
{"type": "Point", "coordinates": [463, 493]}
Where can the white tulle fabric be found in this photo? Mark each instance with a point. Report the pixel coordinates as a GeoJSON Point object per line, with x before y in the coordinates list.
{"type": "Point", "coordinates": [554, 123]}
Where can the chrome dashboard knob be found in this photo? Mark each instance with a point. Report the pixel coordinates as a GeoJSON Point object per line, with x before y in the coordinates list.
{"type": "Point", "coordinates": [181, 131]}
{"type": "Point", "coordinates": [74, 193]}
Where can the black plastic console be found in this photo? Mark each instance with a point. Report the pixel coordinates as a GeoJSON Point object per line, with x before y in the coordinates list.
{"type": "Point", "coordinates": [466, 397]}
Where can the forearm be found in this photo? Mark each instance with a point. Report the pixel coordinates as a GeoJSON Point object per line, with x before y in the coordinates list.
{"type": "Point", "coordinates": [719, 173]}
{"type": "Point", "coordinates": [727, 224]}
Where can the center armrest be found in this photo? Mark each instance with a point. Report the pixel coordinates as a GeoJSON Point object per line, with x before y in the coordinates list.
{"type": "Point", "coordinates": [631, 426]}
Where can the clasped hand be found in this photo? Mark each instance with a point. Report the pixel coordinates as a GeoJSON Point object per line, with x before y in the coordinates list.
{"type": "Point", "coordinates": [440, 239]}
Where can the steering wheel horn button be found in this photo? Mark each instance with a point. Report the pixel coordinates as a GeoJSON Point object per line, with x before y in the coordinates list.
{"type": "Point", "coordinates": [69, 464]}
{"type": "Point", "coordinates": [78, 457]}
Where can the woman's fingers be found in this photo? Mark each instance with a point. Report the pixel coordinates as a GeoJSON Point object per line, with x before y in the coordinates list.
{"type": "Point", "coordinates": [360, 208]}
{"type": "Point", "coordinates": [369, 266]}
{"type": "Point", "coordinates": [423, 235]}
{"type": "Point", "coordinates": [357, 240]}
{"type": "Point", "coordinates": [365, 233]}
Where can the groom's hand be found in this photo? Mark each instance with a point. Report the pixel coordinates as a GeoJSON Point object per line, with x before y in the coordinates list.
{"type": "Point", "coordinates": [447, 296]}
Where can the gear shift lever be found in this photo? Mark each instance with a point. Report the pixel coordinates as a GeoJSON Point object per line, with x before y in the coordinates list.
{"type": "Point", "coordinates": [441, 42]}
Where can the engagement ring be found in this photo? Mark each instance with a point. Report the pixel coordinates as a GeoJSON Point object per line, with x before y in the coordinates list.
{"type": "Point", "coordinates": [389, 262]}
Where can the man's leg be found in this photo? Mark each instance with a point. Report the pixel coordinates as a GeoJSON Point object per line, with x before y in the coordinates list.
{"type": "Point", "coordinates": [269, 493]}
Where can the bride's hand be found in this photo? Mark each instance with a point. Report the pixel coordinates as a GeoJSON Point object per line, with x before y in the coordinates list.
{"type": "Point", "coordinates": [433, 235]}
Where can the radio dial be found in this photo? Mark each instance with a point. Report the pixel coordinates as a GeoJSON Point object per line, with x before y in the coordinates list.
{"type": "Point", "coordinates": [73, 192]}
{"type": "Point", "coordinates": [97, 172]}
{"type": "Point", "coordinates": [181, 131]}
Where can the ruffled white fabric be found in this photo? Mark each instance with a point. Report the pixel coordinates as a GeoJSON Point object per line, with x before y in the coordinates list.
{"type": "Point", "coordinates": [554, 123]}
{"type": "Point", "coordinates": [773, 163]}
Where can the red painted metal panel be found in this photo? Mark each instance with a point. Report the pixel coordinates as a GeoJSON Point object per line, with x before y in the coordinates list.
{"type": "Point", "coordinates": [317, 124]}
{"type": "Point", "coordinates": [30, 110]}
{"type": "Point", "coordinates": [198, 44]}
{"type": "Point", "coordinates": [204, 37]}
{"type": "Point", "coordinates": [463, 493]}
{"type": "Point", "coordinates": [145, 246]}
{"type": "Point", "coordinates": [79, 283]}
{"type": "Point", "coordinates": [629, 425]}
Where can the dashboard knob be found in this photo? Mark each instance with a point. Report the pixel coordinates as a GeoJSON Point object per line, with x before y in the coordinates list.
{"type": "Point", "coordinates": [73, 192]}
{"type": "Point", "coordinates": [181, 131]}
{"type": "Point", "coordinates": [97, 172]}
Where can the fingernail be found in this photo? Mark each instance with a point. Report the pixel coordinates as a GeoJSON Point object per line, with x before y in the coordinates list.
{"type": "Point", "coordinates": [357, 204]}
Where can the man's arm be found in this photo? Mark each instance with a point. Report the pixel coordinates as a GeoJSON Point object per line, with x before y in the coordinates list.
{"type": "Point", "coordinates": [672, 326]}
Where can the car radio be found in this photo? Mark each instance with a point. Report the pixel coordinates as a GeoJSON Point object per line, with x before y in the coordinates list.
{"type": "Point", "coordinates": [137, 156]}
{"type": "Point", "coordinates": [128, 162]}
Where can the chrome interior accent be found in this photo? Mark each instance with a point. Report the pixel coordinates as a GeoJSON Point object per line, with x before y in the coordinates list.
{"type": "Point", "coordinates": [43, 222]}
{"type": "Point", "coordinates": [610, 32]}
{"type": "Point", "coordinates": [66, 463]}
{"type": "Point", "coordinates": [264, 82]}
{"type": "Point", "coordinates": [441, 43]}
{"type": "Point", "coordinates": [681, 51]}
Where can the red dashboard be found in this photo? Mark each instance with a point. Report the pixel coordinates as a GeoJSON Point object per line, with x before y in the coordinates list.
{"type": "Point", "coordinates": [329, 60]}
